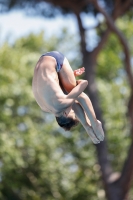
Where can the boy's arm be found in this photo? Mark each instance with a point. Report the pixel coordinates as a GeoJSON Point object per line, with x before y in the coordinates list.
{"type": "Point", "coordinates": [76, 91]}
{"type": "Point", "coordinates": [70, 98]}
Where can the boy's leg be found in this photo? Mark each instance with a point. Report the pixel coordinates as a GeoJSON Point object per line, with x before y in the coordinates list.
{"type": "Point", "coordinates": [86, 104]}
{"type": "Point", "coordinates": [68, 82]}
{"type": "Point", "coordinates": [82, 118]}
{"type": "Point", "coordinates": [66, 77]}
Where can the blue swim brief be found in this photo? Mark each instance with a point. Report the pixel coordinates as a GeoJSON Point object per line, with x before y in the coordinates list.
{"type": "Point", "coordinates": [59, 58]}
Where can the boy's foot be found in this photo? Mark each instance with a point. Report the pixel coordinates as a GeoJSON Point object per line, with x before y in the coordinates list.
{"type": "Point", "coordinates": [98, 130]}
{"type": "Point", "coordinates": [92, 135]}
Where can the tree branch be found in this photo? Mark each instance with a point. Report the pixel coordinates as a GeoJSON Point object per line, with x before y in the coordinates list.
{"type": "Point", "coordinates": [127, 173]}
{"type": "Point", "coordinates": [71, 4]}
{"type": "Point", "coordinates": [119, 9]}
{"type": "Point", "coordinates": [82, 33]}
{"type": "Point", "coordinates": [123, 7]}
{"type": "Point", "coordinates": [122, 40]}
{"type": "Point", "coordinates": [90, 58]}
{"type": "Point", "coordinates": [102, 42]}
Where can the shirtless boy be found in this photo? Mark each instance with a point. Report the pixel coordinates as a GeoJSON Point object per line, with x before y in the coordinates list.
{"type": "Point", "coordinates": [56, 91]}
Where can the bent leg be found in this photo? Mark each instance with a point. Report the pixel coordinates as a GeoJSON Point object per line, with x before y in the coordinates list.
{"type": "Point", "coordinates": [66, 77]}
{"type": "Point", "coordinates": [68, 82]}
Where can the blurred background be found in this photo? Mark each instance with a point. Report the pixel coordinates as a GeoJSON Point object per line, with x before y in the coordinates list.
{"type": "Point", "coordinates": [38, 159]}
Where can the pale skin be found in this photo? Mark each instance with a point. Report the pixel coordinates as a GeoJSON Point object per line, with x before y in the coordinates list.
{"type": "Point", "coordinates": [49, 86]}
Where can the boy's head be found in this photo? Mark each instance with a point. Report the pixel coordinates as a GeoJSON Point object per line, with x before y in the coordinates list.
{"type": "Point", "coordinates": [67, 122]}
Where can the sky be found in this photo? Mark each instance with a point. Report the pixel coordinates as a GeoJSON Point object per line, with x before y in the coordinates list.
{"type": "Point", "coordinates": [16, 24]}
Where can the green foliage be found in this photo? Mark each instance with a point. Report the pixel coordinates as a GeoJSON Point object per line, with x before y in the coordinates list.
{"type": "Point", "coordinates": [38, 160]}
{"type": "Point", "coordinates": [109, 60]}
{"type": "Point", "coordinates": [127, 29]}
{"type": "Point", "coordinates": [113, 101]}
{"type": "Point", "coordinates": [114, 93]}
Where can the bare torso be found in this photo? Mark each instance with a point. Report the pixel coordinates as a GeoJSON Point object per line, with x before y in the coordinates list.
{"type": "Point", "coordinates": [50, 96]}
{"type": "Point", "coordinates": [45, 85]}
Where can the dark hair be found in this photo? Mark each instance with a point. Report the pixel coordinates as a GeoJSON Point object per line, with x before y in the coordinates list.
{"type": "Point", "coordinates": [66, 122]}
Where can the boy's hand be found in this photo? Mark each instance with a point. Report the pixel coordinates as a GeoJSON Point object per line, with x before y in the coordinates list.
{"type": "Point", "coordinates": [79, 72]}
